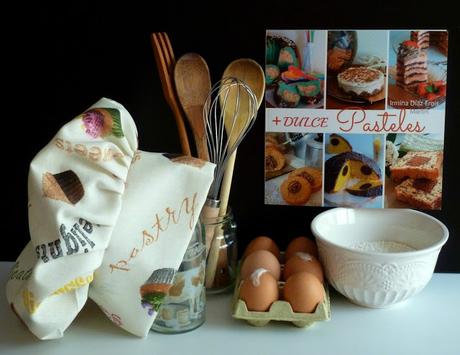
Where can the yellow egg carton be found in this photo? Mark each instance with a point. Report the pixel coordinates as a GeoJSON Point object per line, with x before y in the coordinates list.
{"type": "Point", "coordinates": [281, 311]}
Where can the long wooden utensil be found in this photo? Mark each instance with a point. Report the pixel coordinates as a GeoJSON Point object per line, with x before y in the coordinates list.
{"type": "Point", "coordinates": [251, 73]}
{"type": "Point", "coordinates": [164, 58]}
{"type": "Point", "coordinates": [220, 150]}
{"type": "Point", "coordinates": [193, 84]}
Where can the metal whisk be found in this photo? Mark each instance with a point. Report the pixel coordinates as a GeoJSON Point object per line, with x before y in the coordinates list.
{"type": "Point", "coordinates": [229, 112]}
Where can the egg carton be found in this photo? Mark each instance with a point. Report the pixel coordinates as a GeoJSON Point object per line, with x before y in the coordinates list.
{"type": "Point", "coordinates": [281, 311]}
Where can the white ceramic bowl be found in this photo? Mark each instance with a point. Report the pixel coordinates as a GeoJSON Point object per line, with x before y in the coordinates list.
{"type": "Point", "coordinates": [378, 257]}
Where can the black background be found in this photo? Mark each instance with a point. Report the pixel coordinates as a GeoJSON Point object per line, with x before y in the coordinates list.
{"type": "Point", "coordinates": [61, 58]}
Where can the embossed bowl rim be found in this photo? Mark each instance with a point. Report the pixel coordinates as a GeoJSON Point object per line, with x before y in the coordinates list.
{"type": "Point", "coordinates": [437, 245]}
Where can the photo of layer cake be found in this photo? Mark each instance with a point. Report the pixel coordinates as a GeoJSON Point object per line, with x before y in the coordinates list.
{"type": "Point", "coordinates": [411, 66]}
{"type": "Point", "coordinates": [353, 170]}
{"type": "Point", "coordinates": [360, 79]}
{"type": "Point", "coordinates": [414, 173]}
{"type": "Point", "coordinates": [417, 69]}
{"type": "Point", "coordinates": [294, 68]}
{"type": "Point", "coordinates": [65, 186]}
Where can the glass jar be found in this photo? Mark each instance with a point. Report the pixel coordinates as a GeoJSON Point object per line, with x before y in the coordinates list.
{"type": "Point", "coordinates": [183, 308]}
{"type": "Point", "coordinates": [222, 255]}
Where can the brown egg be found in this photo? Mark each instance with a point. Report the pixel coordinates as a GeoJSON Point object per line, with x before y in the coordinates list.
{"type": "Point", "coordinates": [262, 243]}
{"type": "Point", "coordinates": [303, 262]}
{"type": "Point", "coordinates": [259, 290]}
{"type": "Point", "coordinates": [304, 292]}
{"type": "Point", "coordinates": [302, 244]}
{"type": "Point", "coordinates": [260, 259]}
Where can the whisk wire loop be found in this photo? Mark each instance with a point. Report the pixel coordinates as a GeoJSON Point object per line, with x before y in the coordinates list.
{"type": "Point", "coordinates": [229, 113]}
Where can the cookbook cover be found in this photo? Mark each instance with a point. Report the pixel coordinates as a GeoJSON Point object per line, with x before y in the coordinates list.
{"type": "Point", "coordinates": [355, 118]}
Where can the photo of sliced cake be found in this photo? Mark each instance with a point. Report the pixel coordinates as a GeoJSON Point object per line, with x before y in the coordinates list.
{"type": "Point", "coordinates": [343, 167]}
{"type": "Point", "coordinates": [418, 165]}
{"type": "Point", "coordinates": [417, 72]}
{"type": "Point", "coordinates": [353, 170]}
{"type": "Point", "coordinates": [421, 193]}
{"type": "Point", "coordinates": [411, 67]}
{"type": "Point", "coordinates": [65, 186]}
{"type": "Point", "coordinates": [414, 178]}
{"type": "Point", "coordinates": [361, 81]}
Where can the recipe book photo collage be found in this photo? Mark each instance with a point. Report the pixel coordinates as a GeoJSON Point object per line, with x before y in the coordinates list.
{"type": "Point", "coordinates": [355, 118]}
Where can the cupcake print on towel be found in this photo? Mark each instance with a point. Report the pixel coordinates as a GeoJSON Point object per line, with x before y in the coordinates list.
{"type": "Point", "coordinates": [65, 186]}
{"type": "Point", "coordinates": [102, 122]}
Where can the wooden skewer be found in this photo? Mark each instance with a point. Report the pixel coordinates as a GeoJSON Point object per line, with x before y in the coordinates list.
{"type": "Point", "coordinates": [164, 58]}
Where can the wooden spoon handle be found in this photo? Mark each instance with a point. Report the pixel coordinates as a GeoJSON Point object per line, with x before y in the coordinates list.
{"type": "Point", "coordinates": [227, 184]}
{"type": "Point", "coordinates": [202, 149]}
{"type": "Point", "coordinates": [217, 267]}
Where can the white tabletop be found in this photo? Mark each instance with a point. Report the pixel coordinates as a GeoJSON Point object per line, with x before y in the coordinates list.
{"type": "Point", "coordinates": [429, 323]}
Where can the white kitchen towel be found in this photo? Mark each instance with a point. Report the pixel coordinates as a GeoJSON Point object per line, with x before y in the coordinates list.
{"type": "Point", "coordinates": [76, 191]}
{"type": "Point", "coordinates": [161, 205]}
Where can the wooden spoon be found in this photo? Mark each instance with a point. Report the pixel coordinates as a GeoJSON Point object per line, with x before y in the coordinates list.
{"type": "Point", "coordinates": [193, 83]}
{"type": "Point", "coordinates": [252, 74]}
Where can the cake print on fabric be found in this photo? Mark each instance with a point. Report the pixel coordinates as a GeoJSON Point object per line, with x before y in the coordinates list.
{"type": "Point", "coordinates": [102, 122]}
{"type": "Point", "coordinates": [154, 290]}
{"type": "Point", "coordinates": [65, 186]}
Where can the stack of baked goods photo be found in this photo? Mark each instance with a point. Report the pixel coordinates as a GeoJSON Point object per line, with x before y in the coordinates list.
{"type": "Point", "coordinates": [416, 175]}
{"type": "Point", "coordinates": [420, 173]}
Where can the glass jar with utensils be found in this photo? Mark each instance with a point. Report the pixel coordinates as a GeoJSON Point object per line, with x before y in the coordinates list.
{"type": "Point", "coordinates": [222, 258]}
{"type": "Point", "coordinates": [183, 308]}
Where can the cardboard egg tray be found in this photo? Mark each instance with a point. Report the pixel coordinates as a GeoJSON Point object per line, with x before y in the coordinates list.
{"type": "Point", "coordinates": [281, 311]}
